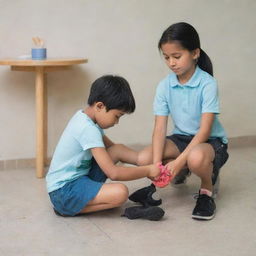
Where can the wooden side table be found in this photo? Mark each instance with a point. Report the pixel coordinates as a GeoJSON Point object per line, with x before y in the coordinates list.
{"type": "Point", "coordinates": [41, 67]}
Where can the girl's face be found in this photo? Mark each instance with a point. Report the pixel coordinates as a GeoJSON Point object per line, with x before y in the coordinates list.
{"type": "Point", "coordinates": [181, 61]}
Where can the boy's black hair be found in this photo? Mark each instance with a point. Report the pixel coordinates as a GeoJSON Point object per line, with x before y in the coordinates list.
{"type": "Point", "coordinates": [187, 36]}
{"type": "Point", "coordinates": [114, 92]}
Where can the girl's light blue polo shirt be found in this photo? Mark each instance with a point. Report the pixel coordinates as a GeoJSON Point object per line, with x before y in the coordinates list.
{"type": "Point", "coordinates": [186, 103]}
{"type": "Point", "coordinates": [72, 156]}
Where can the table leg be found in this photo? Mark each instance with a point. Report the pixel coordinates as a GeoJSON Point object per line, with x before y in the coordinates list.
{"type": "Point", "coordinates": [45, 121]}
{"type": "Point", "coordinates": [40, 122]}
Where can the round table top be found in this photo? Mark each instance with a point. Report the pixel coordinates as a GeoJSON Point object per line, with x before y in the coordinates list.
{"type": "Point", "coordinates": [46, 62]}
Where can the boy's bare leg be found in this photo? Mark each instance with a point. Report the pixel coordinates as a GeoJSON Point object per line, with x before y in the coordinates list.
{"type": "Point", "coordinates": [114, 194]}
{"type": "Point", "coordinates": [145, 156]}
{"type": "Point", "coordinates": [110, 196]}
{"type": "Point", "coordinates": [120, 152]}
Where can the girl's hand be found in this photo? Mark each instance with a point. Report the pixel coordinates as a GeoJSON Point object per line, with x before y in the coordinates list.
{"type": "Point", "coordinates": [173, 167]}
{"type": "Point", "coordinates": [154, 171]}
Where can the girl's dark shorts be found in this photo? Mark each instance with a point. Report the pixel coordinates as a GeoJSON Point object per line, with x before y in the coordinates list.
{"type": "Point", "coordinates": [220, 148]}
{"type": "Point", "coordinates": [75, 195]}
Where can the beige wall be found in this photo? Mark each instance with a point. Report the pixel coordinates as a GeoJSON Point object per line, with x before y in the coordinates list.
{"type": "Point", "coordinates": [119, 37]}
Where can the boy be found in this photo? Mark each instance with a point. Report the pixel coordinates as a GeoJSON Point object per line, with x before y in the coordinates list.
{"type": "Point", "coordinates": [84, 157]}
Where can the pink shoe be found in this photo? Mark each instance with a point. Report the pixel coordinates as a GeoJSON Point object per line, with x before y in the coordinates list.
{"type": "Point", "coordinates": [164, 178]}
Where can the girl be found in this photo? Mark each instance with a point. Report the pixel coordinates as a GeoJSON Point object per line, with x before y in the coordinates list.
{"type": "Point", "coordinates": [190, 96]}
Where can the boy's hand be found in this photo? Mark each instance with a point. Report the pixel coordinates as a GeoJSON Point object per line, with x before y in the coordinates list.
{"type": "Point", "coordinates": [164, 179]}
{"type": "Point", "coordinates": [154, 171]}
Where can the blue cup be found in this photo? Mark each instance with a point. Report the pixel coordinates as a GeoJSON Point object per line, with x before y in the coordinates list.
{"type": "Point", "coordinates": [38, 53]}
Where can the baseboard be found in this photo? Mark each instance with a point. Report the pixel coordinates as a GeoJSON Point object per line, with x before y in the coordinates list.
{"type": "Point", "coordinates": [242, 141]}
{"type": "Point", "coordinates": [234, 142]}
{"type": "Point", "coordinates": [20, 163]}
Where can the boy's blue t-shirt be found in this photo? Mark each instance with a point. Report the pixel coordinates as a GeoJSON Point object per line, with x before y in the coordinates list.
{"type": "Point", "coordinates": [72, 156]}
{"type": "Point", "coordinates": [185, 103]}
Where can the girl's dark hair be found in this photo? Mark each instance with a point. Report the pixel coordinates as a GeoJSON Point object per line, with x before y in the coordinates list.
{"type": "Point", "coordinates": [114, 92]}
{"type": "Point", "coordinates": [187, 36]}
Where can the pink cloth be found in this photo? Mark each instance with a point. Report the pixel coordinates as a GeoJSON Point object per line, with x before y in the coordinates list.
{"type": "Point", "coordinates": [164, 178]}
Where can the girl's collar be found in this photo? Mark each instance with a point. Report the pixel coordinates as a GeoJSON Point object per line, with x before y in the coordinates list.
{"type": "Point", "coordinates": [194, 81]}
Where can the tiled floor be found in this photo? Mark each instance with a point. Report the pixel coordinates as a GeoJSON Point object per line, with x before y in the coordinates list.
{"type": "Point", "coordinates": [29, 227]}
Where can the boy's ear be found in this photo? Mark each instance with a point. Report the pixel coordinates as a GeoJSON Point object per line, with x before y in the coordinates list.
{"type": "Point", "coordinates": [99, 105]}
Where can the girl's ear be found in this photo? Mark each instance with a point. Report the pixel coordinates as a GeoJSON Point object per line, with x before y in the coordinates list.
{"type": "Point", "coordinates": [99, 106]}
{"type": "Point", "coordinates": [196, 54]}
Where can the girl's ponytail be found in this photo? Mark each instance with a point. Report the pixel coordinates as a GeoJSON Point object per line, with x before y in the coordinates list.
{"type": "Point", "coordinates": [204, 62]}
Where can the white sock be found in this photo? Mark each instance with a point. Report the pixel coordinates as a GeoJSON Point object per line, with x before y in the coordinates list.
{"type": "Point", "coordinates": [204, 191]}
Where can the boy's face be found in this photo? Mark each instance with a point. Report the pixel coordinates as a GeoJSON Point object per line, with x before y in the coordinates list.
{"type": "Point", "coordinates": [106, 119]}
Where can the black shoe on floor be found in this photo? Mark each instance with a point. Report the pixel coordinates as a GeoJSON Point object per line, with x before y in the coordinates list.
{"type": "Point", "coordinates": [144, 196]}
{"type": "Point", "coordinates": [205, 208]}
{"type": "Point", "coordinates": [150, 213]}
{"type": "Point", "coordinates": [181, 177]}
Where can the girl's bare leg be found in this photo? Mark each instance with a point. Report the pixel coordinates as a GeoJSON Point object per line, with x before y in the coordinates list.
{"type": "Point", "coordinates": [145, 156]}
{"type": "Point", "coordinates": [200, 162]}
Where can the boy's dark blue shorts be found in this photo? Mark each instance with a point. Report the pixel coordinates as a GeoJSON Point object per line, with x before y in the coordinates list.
{"type": "Point", "coordinates": [75, 195]}
{"type": "Point", "coordinates": [220, 148]}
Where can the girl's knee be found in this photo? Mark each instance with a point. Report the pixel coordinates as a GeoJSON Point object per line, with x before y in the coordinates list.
{"type": "Point", "coordinates": [197, 159]}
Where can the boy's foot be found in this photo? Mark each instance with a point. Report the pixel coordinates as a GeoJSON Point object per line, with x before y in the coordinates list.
{"type": "Point", "coordinates": [205, 208]}
{"type": "Point", "coordinates": [150, 213]}
{"type": "Point", "coordinates": [181, 178]}
{"type": "Point", "coordinates": [144, 196]}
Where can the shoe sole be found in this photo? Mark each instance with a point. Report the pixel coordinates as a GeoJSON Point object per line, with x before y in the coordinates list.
{"type": "Point", "coordinates": [203, 217]}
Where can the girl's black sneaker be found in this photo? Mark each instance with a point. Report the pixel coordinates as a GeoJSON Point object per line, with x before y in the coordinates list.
{"type": "Point", "coordinates": [205, 208]}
